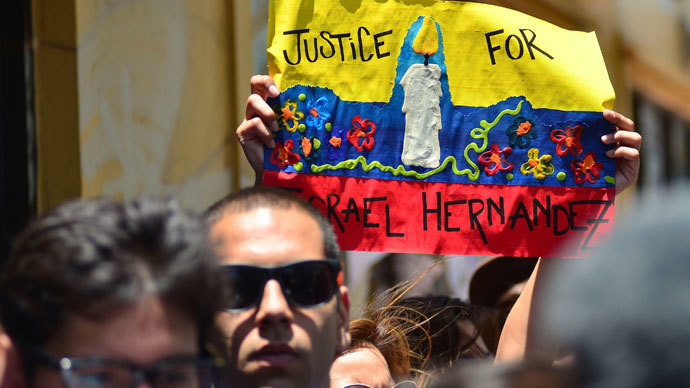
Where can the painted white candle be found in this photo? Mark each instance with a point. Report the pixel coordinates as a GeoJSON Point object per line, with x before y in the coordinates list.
{"type": "Point", "coordinates": [422, 86]}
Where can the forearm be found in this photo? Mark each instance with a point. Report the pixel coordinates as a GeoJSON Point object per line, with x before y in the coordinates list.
{"type": "Point", "coordinates": [518, 337]}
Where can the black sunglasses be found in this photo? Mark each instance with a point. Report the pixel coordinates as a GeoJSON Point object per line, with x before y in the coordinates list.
{"type": "Point", "coordinates": [402, 384]}
{"type": "Point", "coordinates": [100, 372]}
{"type": "Point", "coordinates": [304, 284]}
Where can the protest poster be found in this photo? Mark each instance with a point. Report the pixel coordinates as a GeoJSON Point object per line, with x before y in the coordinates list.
{"type": "Point", "coordinates": [441, 126]}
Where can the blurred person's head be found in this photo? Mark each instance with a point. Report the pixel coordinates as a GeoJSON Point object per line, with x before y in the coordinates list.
{"type": "Point", "coordinates": [378, 354]}
{"type": "Point", "coordinates": [362, 365]}
{"type": "Point", "coordinates": [413, 337]}
{"type": "Point", "coordinates": [497, 283]}
{"type": "Point", "coordinates": [288, 315]}
{"type": "Point", "coordinates": [97, 291]}
{"type": "Point", "coordinates": [523, 374]}
{"type": "Point", "coordinates": [625, 311]}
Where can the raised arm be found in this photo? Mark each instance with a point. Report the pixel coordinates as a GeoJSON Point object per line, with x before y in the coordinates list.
{"type": "Point", "coordinates": [259, 123]}
{"type": "Point", "coordinates": [518, 336]}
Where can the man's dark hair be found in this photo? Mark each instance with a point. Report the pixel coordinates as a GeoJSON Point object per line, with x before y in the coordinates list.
{"type": "Point", "coordinates": [92, 258]}
{"type": "Point", "coordinates": [276, 198]}
{"type": "Point", "coordinates": [435, 329]}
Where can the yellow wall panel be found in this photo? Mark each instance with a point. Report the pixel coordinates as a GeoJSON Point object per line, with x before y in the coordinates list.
{"type": "Point", "coordinates": [56, 103]}
{"type": "Point", "coordinates": [134, 98]}
{"type": "Point", "coordinates": [154, 99]}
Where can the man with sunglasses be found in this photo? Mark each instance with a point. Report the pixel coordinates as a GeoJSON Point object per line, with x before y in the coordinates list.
{"type": "Point", "coordinates": [100, 294]}
{"type": "Point", "coordinates": [287, 316]}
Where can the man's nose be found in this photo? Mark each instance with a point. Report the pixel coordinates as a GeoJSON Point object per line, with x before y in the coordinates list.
{"type": "Point", "coordinates": [274, 308]}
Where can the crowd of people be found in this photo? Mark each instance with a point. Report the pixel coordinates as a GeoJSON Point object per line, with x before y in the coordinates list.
{"type": "Point", "coordinates": [251, 293]}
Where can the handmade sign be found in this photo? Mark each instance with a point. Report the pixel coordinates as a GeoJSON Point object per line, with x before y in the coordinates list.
{"type": "Point", "coordinates": [441, 126]}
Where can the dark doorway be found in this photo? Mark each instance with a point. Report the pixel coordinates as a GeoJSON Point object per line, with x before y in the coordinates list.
{"type": "Point", "coordinates": [16, 121]}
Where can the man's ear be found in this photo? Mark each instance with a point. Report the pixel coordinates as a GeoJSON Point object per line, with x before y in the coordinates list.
{"type": "Point", "coordinates": [343, 320]}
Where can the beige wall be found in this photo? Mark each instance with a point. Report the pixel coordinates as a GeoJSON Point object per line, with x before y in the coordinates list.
{"type": "Point", "coordinates": [143, 96]}
{"type": "Point", "coordinates": [655, 57]}
{"type": "Point", "coordinates": [148, 104]}
{"type": "Point", "coordinates": [650, 30]}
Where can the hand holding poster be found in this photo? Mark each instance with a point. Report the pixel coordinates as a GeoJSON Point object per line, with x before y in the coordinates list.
{"type": "Point", "coordinates": [441, 127]}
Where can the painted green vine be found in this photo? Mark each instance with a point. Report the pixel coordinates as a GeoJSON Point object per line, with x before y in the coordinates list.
{"type": "Point", "coordinates": [473, 173]}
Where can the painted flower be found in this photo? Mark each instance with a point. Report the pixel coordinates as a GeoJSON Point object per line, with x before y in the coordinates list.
{"type": "Point", "coordinates": [318, 114]}
{"type": "Point", "coordinates": [493, 160]}
{"type": "Point", "coordinates": [288, 116]}
{"type": "Point", "coordinates": [363, 130]}
{"type": "Point", "coordinates": [521, 133]}
{"type": "Point", "coordinates": [282, 155]}
{"type": "Point", "coordinates": [541, 167]}
{"type": "Point", "coordinates": [587, 170]}
{"type": "Point", "coordinates": [309, 148]}
{"type": "Point", "coordinates": [568, 140]}
{"type": "Point", "coordinates": [336, 148]}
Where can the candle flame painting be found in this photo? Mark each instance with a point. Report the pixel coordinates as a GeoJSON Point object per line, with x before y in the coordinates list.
{"type": "Point", "coordinates": [426, 42]}
{"type": "Point", "coordinates": [422, 86]}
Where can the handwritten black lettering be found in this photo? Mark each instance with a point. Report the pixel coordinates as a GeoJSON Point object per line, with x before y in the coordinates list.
{"type": "Point", "coordinates": [316, 51]}
{"type": "Point", "coordinates": [332, 215]}
{"type": "Point", "coordinates": [340, 44]}
{"type": "Point", "coordinates": [447, 214]}
{"type": "Point", "coordinates": [427, 210]}
{"type": "Point", "coordinates": [592, 221]}
{"type": "Point", "coordinates": [521, 212]}
{"type": "Point", "coordinates": [514, 46]}
{"type": "Point", "coordinates": [378, 44]}
{"type": "Point", "coordinates": [328, 41]}
{"type": "Point", "coordinates": [305, 45]}
{"type": "Point", "coordinates": [361, 44]}
{"type": "Point", "coordinates": [492, 48]}
{"type": "Point", "coordinates": [388, 225]}
{"type": "Point", "coordinates": [536, 206]}
{"type": "Point", "coordinates": [500, 209]}
{"type": "Point", "coordinates": [367, 210]}
{"type": "Point", "coordinates": [474, 218]}
{"type": "Point", "coordinates": [556, 231]}
{"type": "Point", "coordinates": [351, 209]}
{"type": "Point", "coordinates": [299, 53]}
{"type": "Point", "coordinates": [510, 52]}
{"type": "Point", "coordinates": [573, 214]}
{"type": "Point", "coordinates": [530, 44]}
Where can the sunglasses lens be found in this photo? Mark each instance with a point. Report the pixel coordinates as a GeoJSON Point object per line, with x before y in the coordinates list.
{"type": "Point", "coordinates": [309, 283]}
{"type": "Point", "coordinates": [246, 283]}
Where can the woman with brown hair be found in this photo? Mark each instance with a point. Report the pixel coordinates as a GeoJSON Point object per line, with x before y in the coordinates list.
{"type": "Point", "coordinates": [411, 338]}
{"type": "Point", "coordinates": [378, 356]}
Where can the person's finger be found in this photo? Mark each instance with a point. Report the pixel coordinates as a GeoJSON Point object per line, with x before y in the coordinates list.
{"type": "Point", "coordinates": [625, 138]}
{"type": "Point", "coordinates": [253, 129]}
{"type": "Point", "coordinates": [264, 86]}
{"type": "Point", "coordinates": [257, 107]}
{"type": "Point", "coordinates": [624, 152]}
{"type": "Point", "coordinates": [619, 120]}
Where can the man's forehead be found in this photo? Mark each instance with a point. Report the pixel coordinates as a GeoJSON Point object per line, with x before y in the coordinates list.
{"type": "Point", "coordinates": [143, 332]}
{"type": "Point", "coordinates": [268, 236]}
{"type": "Point", "coordinates": [261, 218]}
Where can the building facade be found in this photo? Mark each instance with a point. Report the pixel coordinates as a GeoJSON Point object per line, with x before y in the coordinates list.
{"type": "Point", "coordinates": [121, 98]}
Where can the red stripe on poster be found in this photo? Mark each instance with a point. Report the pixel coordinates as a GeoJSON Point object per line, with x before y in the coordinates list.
{"type": "Point", "coordinates": [463, 219]}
